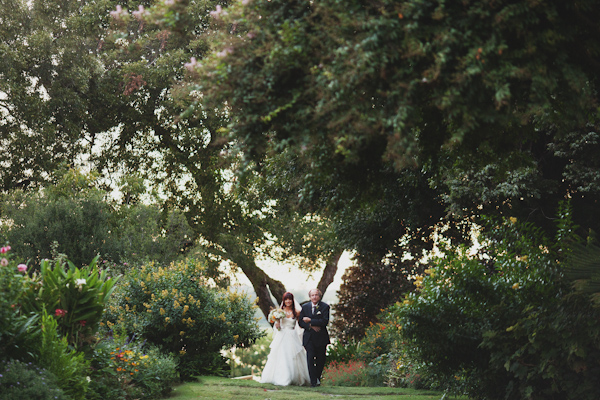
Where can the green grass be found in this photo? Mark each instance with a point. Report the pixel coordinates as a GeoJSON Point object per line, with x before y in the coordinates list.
{"type": "Point", "coordinates": [214, 388]}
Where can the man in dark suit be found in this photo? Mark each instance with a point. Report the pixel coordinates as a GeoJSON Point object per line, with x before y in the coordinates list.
{"type": "Point", "coordinates": [314, 318]}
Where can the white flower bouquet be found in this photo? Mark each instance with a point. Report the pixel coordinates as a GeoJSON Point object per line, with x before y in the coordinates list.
{"type": "Point", "coordinates": [276, 314]}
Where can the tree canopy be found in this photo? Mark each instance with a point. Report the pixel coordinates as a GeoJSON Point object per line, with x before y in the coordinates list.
{"type": "Point", "coordinates": [491, 99]}
{"type": "Point", "coordinates": [129, 93]}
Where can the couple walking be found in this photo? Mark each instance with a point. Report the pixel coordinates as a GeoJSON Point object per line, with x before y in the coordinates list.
{"type": "Point", "coordinates": [292, 362]}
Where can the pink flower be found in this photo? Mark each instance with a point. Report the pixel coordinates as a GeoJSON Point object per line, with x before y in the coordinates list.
{"type": "Point", "coordinates": [118, 12]}
{"type": "Point", "coordinates": [140, 13]}
{"type": "Point", "coordinates": [4, 249]}
{"type": "Point", "coordinates": [226, 50]}
{"type": "Point", "coordinates": [191, 65]}
{"type": "Point", "coordinates": [4, 262]}
{"type": "Point", "coordinates": [218, 12]}
{"type": "Point", "coordinates": [60, 313]}
{"type": "Point", "coordinates": [22, 267]}
{"type": "Point", "coordinates": [245, 2]}
{"type": "Point", "coordinates": [251, 35]}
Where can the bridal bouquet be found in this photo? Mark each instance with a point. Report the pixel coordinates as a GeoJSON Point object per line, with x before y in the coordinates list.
{"type": "Point", "coordinates": [276, 314]}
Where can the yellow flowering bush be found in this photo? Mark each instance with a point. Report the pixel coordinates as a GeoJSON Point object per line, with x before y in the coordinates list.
{"type": "Point", "coordinates": [177, 308]}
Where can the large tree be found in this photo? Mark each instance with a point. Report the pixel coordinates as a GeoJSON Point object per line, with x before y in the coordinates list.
{"type": "Point", "coordinates": [494, 101]}
{"type": "Point", "coordinates": [89, 86]}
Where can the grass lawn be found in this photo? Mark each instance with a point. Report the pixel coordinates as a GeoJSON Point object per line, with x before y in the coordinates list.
{"type": "Point", "coordinates": [214, 388]}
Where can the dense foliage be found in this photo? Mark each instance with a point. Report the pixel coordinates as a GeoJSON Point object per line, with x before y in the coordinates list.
{"type": "Point", "coordinates": [14, 324]}
{"type": "Point", "coordinates": [506, 325]}
{"type": "Point", "coordinates": [76, 296]}
{"type": "Point", "coordinates": [359, 80]}
{"type": "Point", "coordinates": [127, 368]}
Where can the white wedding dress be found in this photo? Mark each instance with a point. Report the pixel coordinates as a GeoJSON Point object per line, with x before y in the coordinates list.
{"type": "Point", "coordinates": [286, 364]}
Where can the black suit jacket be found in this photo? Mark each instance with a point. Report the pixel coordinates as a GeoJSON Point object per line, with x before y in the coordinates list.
{"type": "Point", "coordinates": [319, 318]}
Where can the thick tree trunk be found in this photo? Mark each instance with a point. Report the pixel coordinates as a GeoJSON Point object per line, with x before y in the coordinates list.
{"type": "Point", "coordinates": [329, 272]}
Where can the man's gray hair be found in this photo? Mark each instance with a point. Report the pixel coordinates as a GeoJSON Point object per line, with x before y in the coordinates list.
{"type": "Point", "coordinates": [318, 291]}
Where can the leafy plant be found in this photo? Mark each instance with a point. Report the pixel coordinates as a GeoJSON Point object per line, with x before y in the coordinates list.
{"type": "Point", "coordinates": [126, 367]}
{"type": "Point", "coordinates": [341, 352]}
{"type": "Point", "coordinates": [76, 296]}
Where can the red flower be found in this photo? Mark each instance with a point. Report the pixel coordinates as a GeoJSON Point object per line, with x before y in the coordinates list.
{"type": "Point", "coordinates": [82, 323]}
{"type": "Point", "coordinates": [60, 313]}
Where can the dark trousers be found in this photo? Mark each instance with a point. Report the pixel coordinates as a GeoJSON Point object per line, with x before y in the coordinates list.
{"type": "Point", "coordinates": [315, 356]}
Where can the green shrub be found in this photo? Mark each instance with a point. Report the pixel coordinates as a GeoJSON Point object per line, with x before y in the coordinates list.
{"type": "Point", "coordinates": [405, 371]}
{"type": "Point", "coordinates": [19, 381]}
{"type": "Point", "coordinates": [349, 373]}
{"type": "Point", "coordinates": [158, 373]}
{"type": "Point", "coordinates": [506, 325]}
{"type": "Point", "coordinates": [380, 338]}
{"type": "Point", "coordinates": [178, 309]}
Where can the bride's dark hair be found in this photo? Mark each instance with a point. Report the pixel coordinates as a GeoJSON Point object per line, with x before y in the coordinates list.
{"type": "Point", "coordinates": [288, 295]}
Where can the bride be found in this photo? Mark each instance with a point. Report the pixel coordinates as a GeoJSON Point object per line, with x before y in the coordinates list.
{"type": "Point", "coordinates": [286, 364]}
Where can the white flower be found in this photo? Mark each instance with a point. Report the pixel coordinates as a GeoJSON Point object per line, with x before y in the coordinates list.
{"type": "Point", "coordinates": [121, 42]}
{"type": "Point", "coordinates": [80, 282]}
{"type": "Point", "coordinates": [226, 50]}
{"type": "Point", "coordinates": [196, 94]}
